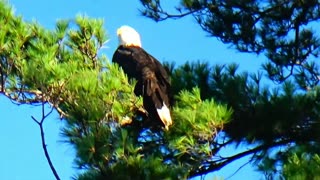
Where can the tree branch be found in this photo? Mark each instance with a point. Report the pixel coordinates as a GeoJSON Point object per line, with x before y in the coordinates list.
{"type": "Point", "coordinates": [43, 141]}
{"type": "Point", "coordinates": [15, 95]}
{"type": "Point", "coordinates": [165, 15]}
{"type": "Point", "coordinates": [243, 165]}
{"type": "Point", "coordinates": [217, 165]}
{"type": "Point", "coordinates": [158, 14]}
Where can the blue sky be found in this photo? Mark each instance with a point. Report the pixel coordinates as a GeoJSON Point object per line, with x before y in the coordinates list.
{"type": "Point", "coordinates": [21, 155]}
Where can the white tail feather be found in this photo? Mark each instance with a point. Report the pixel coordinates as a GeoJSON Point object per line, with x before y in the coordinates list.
{"type": "Point", "coordinates": [164, 114]}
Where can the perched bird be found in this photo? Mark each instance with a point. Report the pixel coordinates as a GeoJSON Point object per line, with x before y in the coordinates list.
{"type": "Point", "coordinates": [153, 82]}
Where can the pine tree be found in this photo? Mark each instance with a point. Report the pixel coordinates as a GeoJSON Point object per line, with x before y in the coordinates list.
{"type": "Point", "coordinates": [214, 105]}
{"type": "Point", "coordinates": [285, 115]}
{"type": "Point", "coordinates": [105, 122]}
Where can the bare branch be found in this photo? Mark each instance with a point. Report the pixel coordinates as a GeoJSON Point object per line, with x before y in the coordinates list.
{"type": "Point", "coordinates": [35, 120]}
{"type": "Point", "coordinates": [158, 14]}
{"type": "Point", "coordinates": [243, 165]}
{"type": "Point", "coordinates": [216, 165]}
{"type": "Point", "coordinates": [44, 146]}
{"type": "Point", "coordinates": [166, 15]}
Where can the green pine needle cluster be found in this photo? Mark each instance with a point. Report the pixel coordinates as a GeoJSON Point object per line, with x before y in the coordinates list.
{"type": "Point", "coordinates": [198, 121]}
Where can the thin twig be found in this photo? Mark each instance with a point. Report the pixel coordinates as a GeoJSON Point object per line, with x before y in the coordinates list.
{"type": "Point", "coordinates": [43, 141]}
{"type": "Point", "coordinates": [243, 165]}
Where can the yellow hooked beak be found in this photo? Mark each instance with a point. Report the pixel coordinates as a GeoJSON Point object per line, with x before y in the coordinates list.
{"type": "Point", "coordinates": [119, 31]}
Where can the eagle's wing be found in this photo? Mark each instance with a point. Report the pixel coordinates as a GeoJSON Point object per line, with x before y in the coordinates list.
{"type": "Point", "coordinates": [124, 57]}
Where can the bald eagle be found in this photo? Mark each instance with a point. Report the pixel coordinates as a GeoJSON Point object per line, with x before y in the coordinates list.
{"type": "Point", "coordinates": [153, 82]}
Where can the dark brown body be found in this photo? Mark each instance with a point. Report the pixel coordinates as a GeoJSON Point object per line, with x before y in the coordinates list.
{"type": "Point", "coordinates": [153, 82]}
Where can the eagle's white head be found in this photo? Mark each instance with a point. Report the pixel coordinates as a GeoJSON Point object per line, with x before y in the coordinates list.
{"type": "Point", "coordinates": [128, 36]}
